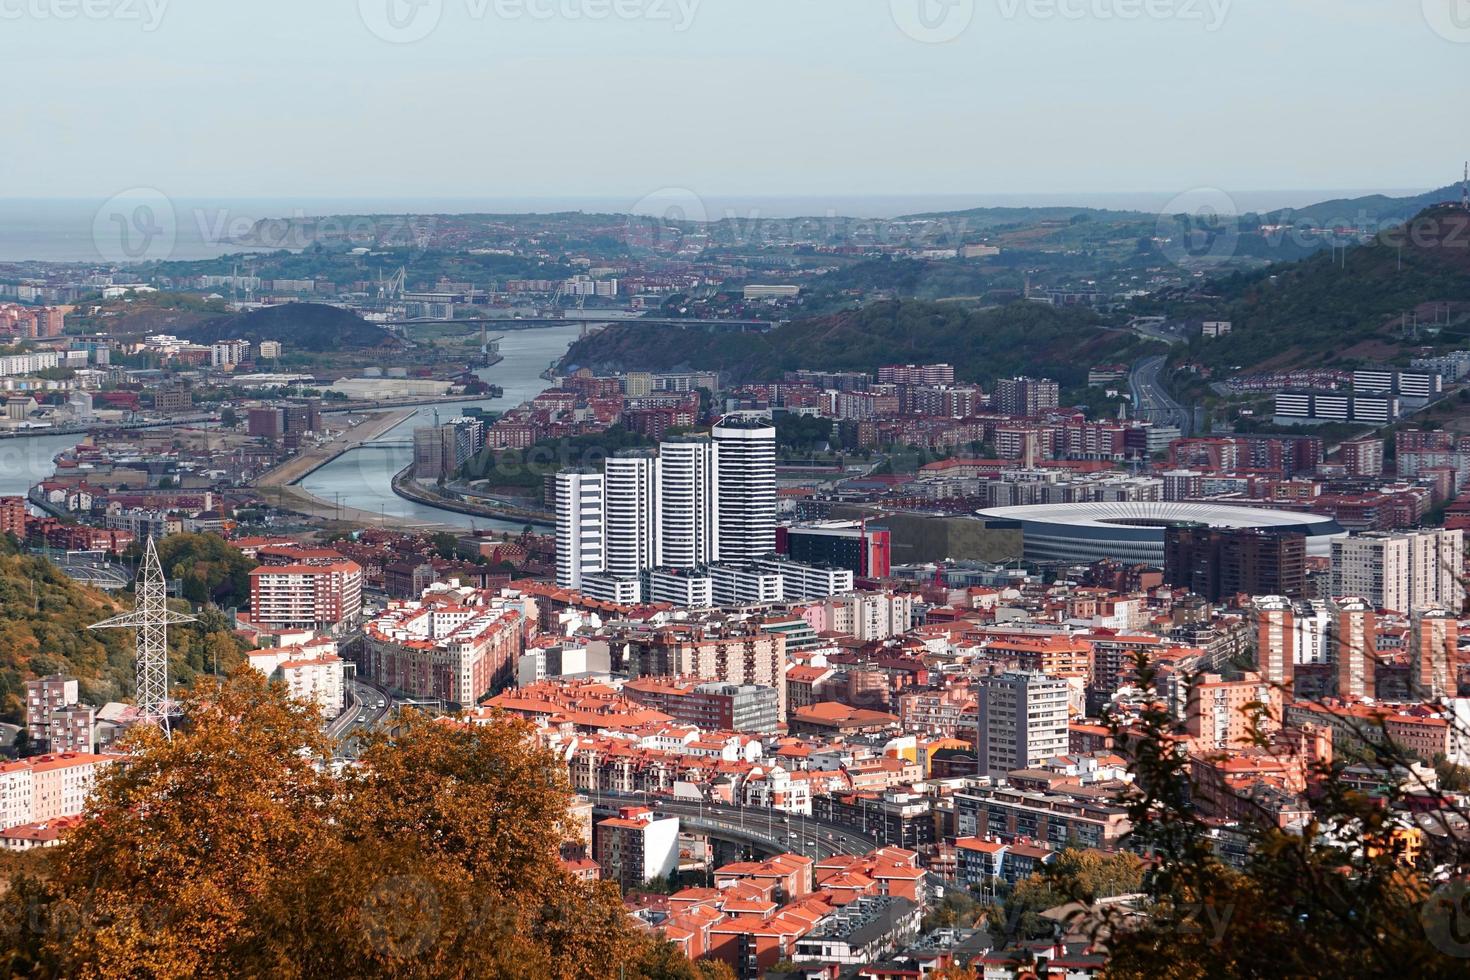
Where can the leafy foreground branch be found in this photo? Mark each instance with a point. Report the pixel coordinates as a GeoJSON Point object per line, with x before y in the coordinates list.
{"type": "Point", "coordinates": [233, 850]}
{"type": "Point", "coordinates": [1339, 898]}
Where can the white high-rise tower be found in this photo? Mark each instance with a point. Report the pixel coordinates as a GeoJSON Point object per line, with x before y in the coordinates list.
{"type": "Point", "coordinates": [747, 492]}
{"type": "Point", "coordinates": [688, 492]}
{"type": "Point", "coordinates": [631, 481]}
{"type": "Point", "coordinates": [579, 527]}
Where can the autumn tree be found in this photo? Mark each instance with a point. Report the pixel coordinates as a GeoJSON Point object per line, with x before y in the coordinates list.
{"type": "Point", "coordinates": [234, 850]}
{"type": "Point", "coordinates": [189, 838]}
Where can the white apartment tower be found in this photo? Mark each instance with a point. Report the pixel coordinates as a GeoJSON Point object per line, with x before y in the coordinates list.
{"type": "Point", "coordinates": [631, 487]}
{"type": "Point", "coordinates": [747, 487]}
{"type": "Point", "coordinates": [1403, 571]}
{"type": "Point", "coordinates": [579, 527]}
{"type": "Point", "coordinates": [687, 519]}
{"type": "Point", "coordinates": [1023, 721]}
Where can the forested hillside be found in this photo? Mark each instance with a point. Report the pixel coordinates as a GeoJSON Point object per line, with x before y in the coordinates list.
{"type": "Point", "coordinates": [1022, 338]}
{"type": "Point", "coordinates": [43, 630]}
{"type": "Point", "coordinates": [1345, 306]}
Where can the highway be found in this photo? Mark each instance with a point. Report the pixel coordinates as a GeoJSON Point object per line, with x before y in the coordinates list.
{"type": "Point", "coordinates": [1151, 401]}
{"type": "Point", "coordinates": [363, 715]}
{"type": "Point", "coordinates": [85, 568]}
{"type": "Point", "coordinates": [769, 830]}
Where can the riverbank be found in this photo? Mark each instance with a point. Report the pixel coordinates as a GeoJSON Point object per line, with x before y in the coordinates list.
{"type": "Point", "coordinates": [298, 501]}
{"type": "Point", "coordinates": [305, 463]}
{"type": "Point", "coordinates": [409, 489]}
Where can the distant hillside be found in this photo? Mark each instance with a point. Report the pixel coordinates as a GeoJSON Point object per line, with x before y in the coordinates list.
{"type": "Point", "coordinates": [1375, 210]}
{"type": "Point", "coordinates": [1345, 307]}
{"type": "Point", "coordinates": [1020, 338]}
{"type": "Point", "coordinates": [985, 218]}
{"type": "Point", "coordinates": [301, 326]}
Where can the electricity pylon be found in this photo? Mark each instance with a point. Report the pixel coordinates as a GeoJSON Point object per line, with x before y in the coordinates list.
{"type": "Point", "coordinates": [149, 622]}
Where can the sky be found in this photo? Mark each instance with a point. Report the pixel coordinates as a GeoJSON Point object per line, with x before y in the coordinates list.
{"type": "Point", "coordinates": [622, 99]}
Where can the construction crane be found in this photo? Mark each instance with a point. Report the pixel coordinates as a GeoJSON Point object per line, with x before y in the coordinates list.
{"type": "Point", "coordinates": [392, 287]}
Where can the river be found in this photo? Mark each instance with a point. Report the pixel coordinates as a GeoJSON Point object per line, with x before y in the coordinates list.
{"type": "Point", "coordinates": [363, 478]}
{"type": "Point", "coordinates": [29, 460]}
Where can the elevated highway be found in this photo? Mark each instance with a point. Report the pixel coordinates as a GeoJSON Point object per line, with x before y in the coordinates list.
{"type": "Point", "coordinates": [767, 831]}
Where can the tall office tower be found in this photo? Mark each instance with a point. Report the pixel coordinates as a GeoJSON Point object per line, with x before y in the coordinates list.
{"type": "Point", "coordinates": [1023, 721]}
{"type": "Point", "coordinates": [1354, 646]}
{"type": "Point", "coordinates": [1275, 639]}
{"type": "Point", "coordinates": [747, 497]}
{"type": "Point", "coordinates": [1433, 640]}
{"type": "Point", "coordinates": [687, 519]}
{"type": "Point", "coordinates": [1402, 571]}
{"type": "Point", "coordinates": [631, 483]}
{"type": "Point", "coordinates": [579, 527]}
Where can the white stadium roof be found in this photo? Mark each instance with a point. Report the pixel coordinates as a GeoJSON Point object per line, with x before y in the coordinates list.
{"type": "Point", "coordinates": [1133, 531]}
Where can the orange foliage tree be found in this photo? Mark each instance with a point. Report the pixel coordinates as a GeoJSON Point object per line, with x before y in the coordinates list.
{"type": "Point", "coordinates": [234, 849]}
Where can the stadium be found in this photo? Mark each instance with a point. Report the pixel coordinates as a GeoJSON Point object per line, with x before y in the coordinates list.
{"type": "Point", "coordinates": [1133, 531]}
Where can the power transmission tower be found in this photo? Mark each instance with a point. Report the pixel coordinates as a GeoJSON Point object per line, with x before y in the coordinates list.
{"type": "Point", "coordinates": [149, 622]}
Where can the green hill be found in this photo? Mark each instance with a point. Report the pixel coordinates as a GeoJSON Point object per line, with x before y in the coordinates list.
{"type": "Point", "coordinates": [43, 630]}
{"type": "Point", "coordinates": [301, 326]}
{"type": "Point", "coordinates": [1344, 307]}
{"type": "Point", "coordinates": [1021, 338]}
{"type": "Point", "coordinates": [1374, 210]}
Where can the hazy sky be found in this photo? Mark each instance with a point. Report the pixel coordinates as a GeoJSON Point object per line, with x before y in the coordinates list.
{"type": "Point", "coordinates": [626, 97]}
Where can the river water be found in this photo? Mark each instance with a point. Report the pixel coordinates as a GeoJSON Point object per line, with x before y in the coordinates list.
{"type": "Point", "coordinates": [27, 461]}
{"type": "Point", "coordinates": [361, 479]}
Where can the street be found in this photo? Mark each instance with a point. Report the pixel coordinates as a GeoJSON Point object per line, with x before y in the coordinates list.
{"type": "Point", "coordinates": [1152, 402]}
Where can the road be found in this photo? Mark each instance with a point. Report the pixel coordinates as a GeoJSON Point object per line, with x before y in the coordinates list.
{"type": "Point", "coordinates": [1150, 399]}
{"type": "Point", "coordinates": [86, 569]}
{"type": "Point", "coordinates": [773, 829]}
{"type": "Point", "coordinates": [365, 716]}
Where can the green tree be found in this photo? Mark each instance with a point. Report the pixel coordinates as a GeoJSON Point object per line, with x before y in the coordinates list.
{"type": "Point", "coordinates": [1334, 898]}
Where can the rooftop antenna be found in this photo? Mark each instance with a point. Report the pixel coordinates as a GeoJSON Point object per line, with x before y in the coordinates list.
{"type": "Point", "coordinates": [149, 622]}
